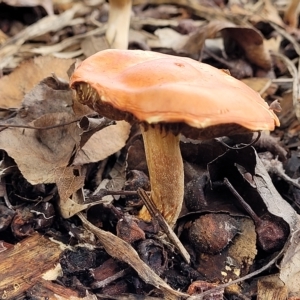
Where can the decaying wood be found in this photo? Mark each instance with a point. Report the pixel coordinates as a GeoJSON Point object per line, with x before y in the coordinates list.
{"type": "Point", "coordinates": [23, 265]}
{"type": "Point", "coordinates": [44, 289]}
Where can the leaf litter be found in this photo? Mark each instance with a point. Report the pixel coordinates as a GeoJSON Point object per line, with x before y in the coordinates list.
{"type": "Point", "coordinates": [59, 152]}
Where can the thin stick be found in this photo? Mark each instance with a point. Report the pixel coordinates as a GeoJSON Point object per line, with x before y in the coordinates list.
{"type": "Point", "coordinates": [163, 224]}
{"type": "Point", "coordinates": [38, 128]}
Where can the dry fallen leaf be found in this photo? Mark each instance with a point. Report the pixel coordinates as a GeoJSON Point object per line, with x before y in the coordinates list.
{"type": "Point", "coordinates": [49, 23]}
{"type": "Point", "coordinates": [29, 74]}
{"type": "Point", "coordinates": [45, 155]}
{"type": "Point", "coordinates": [103, 143]}
{"type": "Point", "coordinates": [42, 155]}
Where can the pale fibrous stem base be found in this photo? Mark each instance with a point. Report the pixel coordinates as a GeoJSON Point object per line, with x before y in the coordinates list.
{"type": "Point", "coordinates": [166, 172]}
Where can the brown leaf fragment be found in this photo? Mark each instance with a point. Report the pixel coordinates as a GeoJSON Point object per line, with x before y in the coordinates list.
{"type": "Point", "coordinates": [117, 288]}
{"type": "Point", "coordinates": [288, 114]}
{"type": "Point", "coordinates": [105, 270]}
{"type": "Point", "coordinates": [28, 75]}
{"type": "Point", "coordinates": [238, 68]}
{"type": "Point", "coordinates": [43, 155]}
{"type": "Point", "coordinates": [69, 181]}
{"type": "Point", "coordinates": [103, 143]}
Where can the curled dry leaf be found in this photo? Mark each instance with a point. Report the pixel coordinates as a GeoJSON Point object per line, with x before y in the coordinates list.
{"type": "Point", "coordinates": [252, 43]}
{"type": "Point", "coordinates": [247, 38]}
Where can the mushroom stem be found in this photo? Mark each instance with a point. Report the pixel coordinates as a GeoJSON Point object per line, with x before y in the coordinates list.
{"type": "Point", "coordinates": [118, 24]}
{"type": "Point", "coordinates": [166, 172]}
{"type": "Point", "coordinates": [291, 14]}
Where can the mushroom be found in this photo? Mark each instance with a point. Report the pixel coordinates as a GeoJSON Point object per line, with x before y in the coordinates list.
{"type": "Point", "coordinates": [291, 13]}
{"type": "Point", "coordinates": [118, 24]}
{"type": "Point", "coordinates": [168, 96]}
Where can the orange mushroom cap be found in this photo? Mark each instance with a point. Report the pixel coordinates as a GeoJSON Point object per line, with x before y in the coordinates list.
{"type": "Point", "coordinates": [173, 94]}
{"type": "Point", "coordinates": [155, 87]}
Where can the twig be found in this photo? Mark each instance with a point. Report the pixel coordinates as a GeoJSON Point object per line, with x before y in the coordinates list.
{"type": "Point", "coordinates": [38, 128]}
{"type": "Point", "coordinates": [5, 126]}
{"type": "Point", "coordinates": [163, 224]}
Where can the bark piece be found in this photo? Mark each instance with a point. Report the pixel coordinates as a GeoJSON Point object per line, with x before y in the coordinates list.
{"type": "Point", "coordinates": [44, 289]}
{"type": "Point", "coordinates": [23, 265]}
